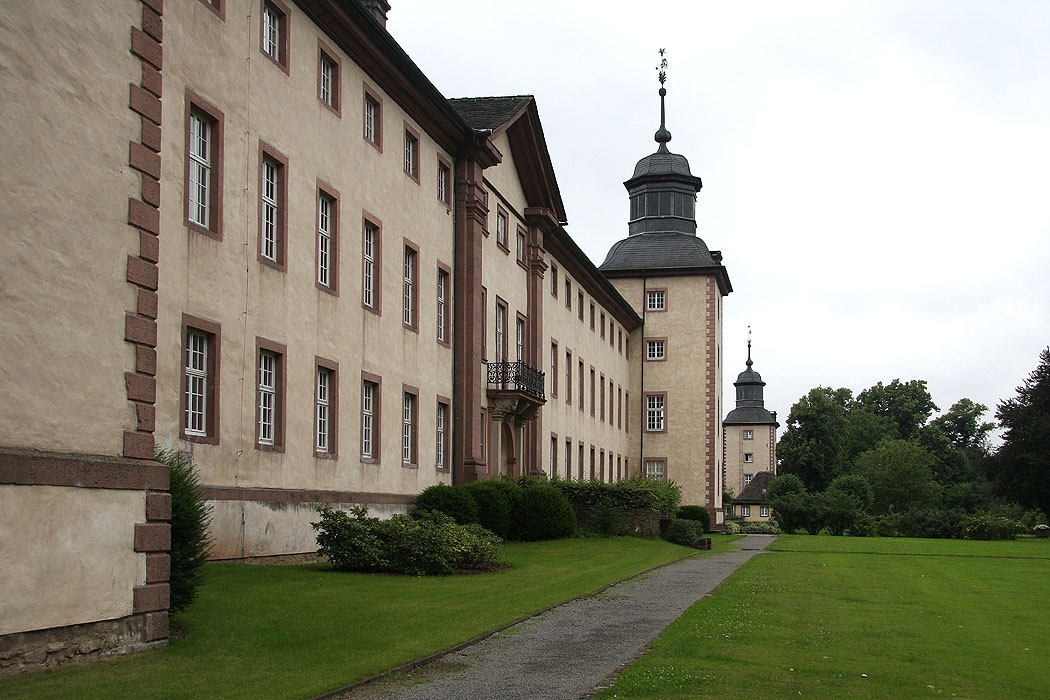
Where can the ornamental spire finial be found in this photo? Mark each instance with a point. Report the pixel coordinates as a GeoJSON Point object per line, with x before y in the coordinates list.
{"type": "Point", "coordinates": [749, 363]}
{"type": "Point", "coordinates": [662, 134]}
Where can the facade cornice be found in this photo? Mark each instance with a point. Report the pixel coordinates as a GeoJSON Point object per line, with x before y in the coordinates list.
{"type": "Point", "coordinates": [718, 272]}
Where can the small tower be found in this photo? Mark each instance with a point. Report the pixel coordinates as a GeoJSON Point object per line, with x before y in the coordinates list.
{"type": "Point", "coordinates": [676, 284]}
{"type": "Point", "coordinates": [749, 431]}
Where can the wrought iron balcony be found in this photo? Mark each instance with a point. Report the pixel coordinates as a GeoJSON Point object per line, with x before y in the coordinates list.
{"type": "Point", "coordinates": [517, 376]}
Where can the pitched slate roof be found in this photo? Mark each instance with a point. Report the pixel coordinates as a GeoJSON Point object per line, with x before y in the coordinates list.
{"type": "Point", "coordinates": [750, 415]}
{"type": "Point", "coordinates": [755, 492]}
{"type": "Point", "coordinates": [662, 163]}
{"type": "Point", "coordinates": [649, 251]}
{"type": "Point", "coordinates": [490, 113]}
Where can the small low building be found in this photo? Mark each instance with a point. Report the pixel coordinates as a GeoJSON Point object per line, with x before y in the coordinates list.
{"type": "Point", "coordinates": [752, 504]}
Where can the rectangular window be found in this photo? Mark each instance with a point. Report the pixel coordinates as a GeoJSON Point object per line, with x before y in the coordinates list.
{"type": "Point", "coordinates": [200, 380]}
{"type": "Point", "coordinates": [442, 439]}
{"type": "Point", "coordinates": [579, 377]}
{"type": "Point", "coordinates": [370, 267]}
{"type": "Point", "coordinates": [592, 316]}
{"type": "Point", "coordinates": [592, 391]}
{"type": "Point", "coordinates": [328, 78]}
{"type": "Point", "coordinates": [370, 403]}
{"type": "Point", "coordinates": [654, 413]}
{"type": "Point", "coordinates": [327, 408]}
{"type": "Point", "coordinates": [554, 456]}
{"type": "Point", "coordinates": [271, 212]}
{"type": "Point", "coordinates": [568, 377]}
{"type": "Point", "coordinates": [269, 433]}
{"type": "Point", "coordinates": [373, 120]}
{"type": "Point", "coordinates": [602, 325]}
{"type": "Point", "coordinates": [601, 402]}
{"type": "Point", "coordinates": [501, 331]}
{"type": "Point", "coordinates": [408, 428]}
{"type": "Point", "coordinates": [655, 350]}
{"type": "Point", "coordinates": [619, 340]}
{"type": "Point", "coordinates": [579, 462]}
{"type": "Point", "coordinates": [519, 339]}
{"type": "Point", "coordinates": [502, 221]}
{"type": "Point", "coordinates": [411, 154]}
{"type": "Point", "coordinates": [274, 40]}
{"type": "Point", "coordinates": [748, 457]}
{"type": "Point", "coordinates": [554, 281]}
{"type": "Point", "coordinates": [444, 184]}
{"type": "Point", "coordinates": [655, 468]}
{"type": "Point", "coordinates": [568, 294]}
{"type": "Point", "coordinates": [745, 511]}
{"type": "Point", "coordinates": [764, 511]}
{"type": "Point", "coordinates": [579, 306]}
{"type": "Point", "coordinates": [656, 300]}
{"type": "Point", "coordinates": [612, 386]}
{"type": "Point", "coordinates": [627, 412]}
{"type": "Point", "coordinates": [748, 478]}
{"type": "Point", "coordinates": [521, 247]}
{"type": "Point", "coordinates": [484, 325]}
{"type": "Point", "coordinates": [749, 435]}
{"type": "Point", "coordinates": [568, 458]}
{"type": "Point", "coordinates": [593, 473]}
{"type": "Point", "coordinates": [204, 161]}
{"type": "Point", "coordinates": [327, 240]}
{"type": "Point", "coordinates": [554, 369]}
{"type": "Point", "coordinates": [619, 407]}
{"type": "Point", "coordinates": [443, 282]}
{"type": "Point", "coordinates": [601, 465]}
{"type": "Point", "coordinates": [411, 274]}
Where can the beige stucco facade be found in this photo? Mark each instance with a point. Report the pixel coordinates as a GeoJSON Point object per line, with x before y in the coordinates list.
{"type": "Point", "coordinates": [746, 456]}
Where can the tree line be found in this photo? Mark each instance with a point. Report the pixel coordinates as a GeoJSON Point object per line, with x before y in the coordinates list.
{"type": "Point", "coordinates": [877, 463]}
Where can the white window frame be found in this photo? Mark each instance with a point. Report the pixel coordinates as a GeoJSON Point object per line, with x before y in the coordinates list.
{"type": "Point", "coordinates": [327, 78]}
{"type": "Point", "coordinates": [501, 320]}
{"type": "Point", "coordinates": [745, 511]}
{"type": "Point", "coordinates": [502, 222]}
{"type": "Point", "coordinates": [200, 170]}
{"type": "Point", "coordinates": [749, 435]}
{"type": "Point", "coordinates": [520, 252]}
{"type": "Point", "coordinates": [749, 457]}
{"type": "Point", "coordinates": [371, 119]}
{"type": "Point", "coordinates": [409, 282]}
{"type": "Point", "coordinates": [442, 305]}
{"type": "Point", "coordinates": [368, 396]}
{"type": "Point", "coordinates": [519, 338]}
{"type": "Point", "coordinates": [323, 419]}
{"type": "Point", "coordinates": [196, 383]}
{"type": "Point", "coordinates": [442, 182]}
{"type": "Point", "coordinates": [748, 478]}
{"type": "Point", "coordinates": [763, 511]}
{"type": "Point", "coordinates": [411, 153]}
{"type": "Point", "coordinates": [324, 239]}
{"type": "Point", "coordinates": [655, 469]}
{"type": "Point", "coordinates": [655, 413]}
{"type": "Point", "coordinates": [408, 416]}
{"type": "Point", "coordinates": [267, 417]}
{"type": "Point", "coordinates": [655, 350]}
{"type": "Point", "coordinates": [656, 300]}
{"type": "Point", "coordinates": [368, 289]}
{"type": "Point", "coordinates": [269, 221]}
{"type": "Point", "coordinates": [442, 429]}
{"type": "Point", "coordinates": [271, 32]}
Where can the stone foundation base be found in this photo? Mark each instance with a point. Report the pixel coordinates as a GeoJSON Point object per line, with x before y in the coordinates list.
{"type": "Point", "coordinates": [42, 649]}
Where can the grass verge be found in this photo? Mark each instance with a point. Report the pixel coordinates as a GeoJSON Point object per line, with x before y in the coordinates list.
{"type": "Point", "coordinates": [807, 621]}
{"type": "Point", "coordinates": [295, 632]}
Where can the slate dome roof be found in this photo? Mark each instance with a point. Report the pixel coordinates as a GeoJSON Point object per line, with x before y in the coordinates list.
{"type": "Point", "coordinates": [663, 162]}
{"type": "Point", "coordinates": [650, 251]}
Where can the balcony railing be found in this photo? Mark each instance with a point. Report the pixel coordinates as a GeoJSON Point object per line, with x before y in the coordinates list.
{"type": "Point", "coordinates": [517, 376]}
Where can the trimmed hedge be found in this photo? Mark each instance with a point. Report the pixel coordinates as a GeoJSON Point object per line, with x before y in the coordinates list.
{"type": "Point", "coordinates": [697, 513]}
{"type": "Point", "coordinates": [684, 532]}
{"type": "Point", "coordinates": [493, 505]}
{"type": "Point", "coordinates": [629, 494]}
{"type": "Point", "coordinates": [428, 545]}
{"type": "Point", "coordinates": [542, 512]}
{"type": "Point", "coordinates": [453, 502]}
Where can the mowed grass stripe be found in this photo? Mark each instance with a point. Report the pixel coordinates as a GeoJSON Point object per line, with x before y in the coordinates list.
{"type": "Point", "coordinates": [1027, 548]}
{"type": "Point", "coordinates": [295, 632]}
{"type": "Point", "coordinates": [813, 624]}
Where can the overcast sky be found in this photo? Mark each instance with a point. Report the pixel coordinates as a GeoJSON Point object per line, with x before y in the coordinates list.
{"type": "Point", "coordinates": [876, 174]}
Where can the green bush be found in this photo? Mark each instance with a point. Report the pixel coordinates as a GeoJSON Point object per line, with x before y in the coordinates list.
{"type": "Point", "coordinates": [931, 522]}
{"type": "Point", "coordinates": [190, 518]}
{"type": "Point", "coordinates": [629, 494]}
{"type": "Point", "coordinates": [453, 502]}
{"type": "Point", "coordinates": [732, 527]}
{"type": "Point", "coordinates": [430, 544]}
{"type": "Point", "coordinates": [684, 532]}
{"type": "Point", "coordinates": [697, 513]}
{"type": "Point", "coordinates": [607, 521]}
{"type": "Point", "coordinates": [986, 526]}
{"type": "Point", "coordinates": [888, 525]}
{"type": "Point", "coordinates": [493, 505]}
{"type": "Point", "coordinates": [758, 528]}
{"type": "Point", "coordinates": [542, 512]}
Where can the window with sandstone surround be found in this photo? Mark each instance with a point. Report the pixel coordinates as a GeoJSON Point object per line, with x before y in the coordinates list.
{"type": "Point", "coordinates": [521, 247]}
{"type": "Point", "coordinates": [270, 395]}
{"type": "Point", "coordinates": [568, 458]}
{"type": "Point", "coordinates": [579, 305]}
{"type": "Point", "coordinates": [748, 457]}
{"type": "Point", "coordinates": [579, 377]}
{"type": "Point", "coordinates": [444, 285]}
{"type": "Point", "coordinates": [502, 224]}
{"type": "Point", "coordinates": [601, 402]}
{"type": "Point", "coordinates": [200, 380]}
{"type": "Point", "coordinates": [216, 6]}
{"type": "Point", "coordinates": [326, 415]}
{"type": "Point", "coordinates": [655, 349]}
{"type": "Point", "coordinates": [444, 183]}
{"type": "Point", "coordinates": [568, 377]}
{"type": "Point", "coordinates": [554, 369]}
{"type": "Point", "coordinates": [373, 119]}
{"type": "Point", "coordinates": [568, 294]}
{"type": "Point", "coordinates": [592, 391]}
{"type": "Point", "coordinates": [554, 281]}
{"type": "Point", "coordinates": [442, 437]}
{"type": "Point", "coordinates": [656, 469]}
{"type": "Point", "coordinates": [274, 33]}
{"type": "Point", "coordinates": [412, 153]}
{"type": "Point", "coordinates": [329, 90]}
{"type": "Point", "coordinates": [327, 239]}
{"type": "Point", "coordinates": [371, 391]}
{"type": "Point", "coordinates": [554, 455]}
{"type": "Point", "coordinates": [409, 427]}
{"type": "Point", "coordinates": [410, 287]}
{"type": "Point", "coordinates": [656, 300]}
{"type": "Point", "coordinates": [655, 413]}
{"type": "Point", "coordinates": [749, 435]}
{"type": "Point", "coordinates": [204, 166]}
{"type": "Point", "coordinates": [592, 315]}
{"type": "Point", "coordinates": [602, 325]}
{"type": "Point", "coordinates": [371, 268]}
{"type": "Point", "coordinates": [273, 207]}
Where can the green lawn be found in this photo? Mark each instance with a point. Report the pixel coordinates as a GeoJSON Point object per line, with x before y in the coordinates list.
{"type": "Point", "coordinates": [839, 617]}
{"type": "Point", "coordinates": [295, 632]}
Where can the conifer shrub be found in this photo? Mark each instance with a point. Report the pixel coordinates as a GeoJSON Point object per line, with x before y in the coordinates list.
{"type": "Point", "coordinates": [190, 519]}
{"type": "Point", "coordinates": [542, 512]}
{"type": "Point", "coordinates": [493, 504]}
{"type": "Point", "coordinates": [453, 502]}
{"type": "Point", "coordinates": [684, 532]}
{"type": "Point", "coordinates": [697, 513]}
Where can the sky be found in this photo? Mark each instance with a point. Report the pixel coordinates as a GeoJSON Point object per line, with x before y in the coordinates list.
{"type": "Point", "coordinates": [876, 174]}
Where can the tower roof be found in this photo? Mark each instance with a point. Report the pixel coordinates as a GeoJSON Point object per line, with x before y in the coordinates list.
{"type": "Point", "coordinates": [750, 404]}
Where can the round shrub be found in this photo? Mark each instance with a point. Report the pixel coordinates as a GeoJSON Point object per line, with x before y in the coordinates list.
{"type": "Point", "coordinates": [542, 512]}
{"type": "Point", "coordinates": [986, 526]}
{"type": "Point", "coordinates": [684, 532]}
{"type": "Point", "coordinates": [732, 528]}
{"type": "Point", "coordinates": [190, 518]}
{"type": "Point", "coordinates": [493, 506]}
{"type": "Point", "coordinates": [349, 540]}
{"type": "Point", "coordinates": [453, 502]}
{"type": "Point", "coordinates": [697, 513]}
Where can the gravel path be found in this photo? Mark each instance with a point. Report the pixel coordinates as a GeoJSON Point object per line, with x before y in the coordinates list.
{"type": "Point", "coordinates": [573, 650]}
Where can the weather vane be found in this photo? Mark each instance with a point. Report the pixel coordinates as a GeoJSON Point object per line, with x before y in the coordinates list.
{"type": "Point", "coordinates": [662, 68]}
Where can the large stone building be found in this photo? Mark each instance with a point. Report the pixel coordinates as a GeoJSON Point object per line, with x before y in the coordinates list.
{"type": "Point", "coordinates": [275, 246]}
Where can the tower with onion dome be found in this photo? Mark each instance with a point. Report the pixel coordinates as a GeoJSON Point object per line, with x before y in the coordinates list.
{"type": "Point", "coordinates": [750, 432]}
